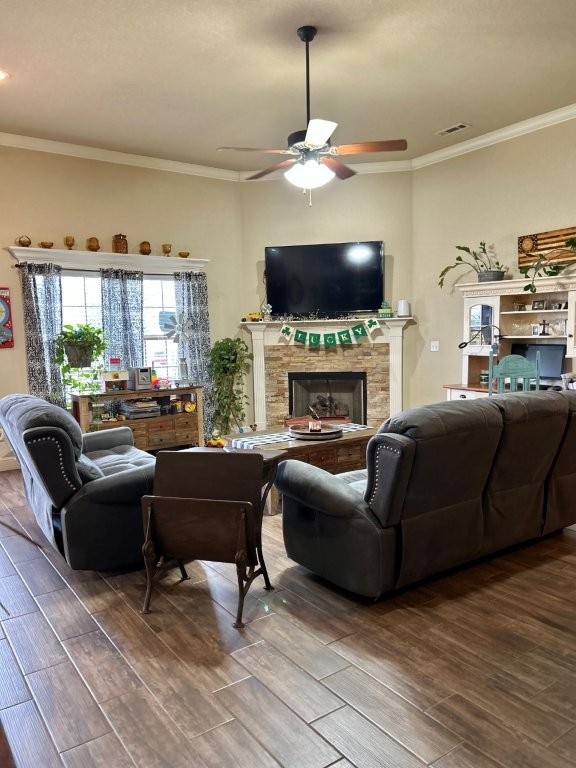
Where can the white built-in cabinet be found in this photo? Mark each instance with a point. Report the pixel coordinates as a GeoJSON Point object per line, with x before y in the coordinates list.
{"type": "Point", "coordinates": [547, 316]}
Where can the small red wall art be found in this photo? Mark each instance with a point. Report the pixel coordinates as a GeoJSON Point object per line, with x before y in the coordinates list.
{"type": "Point", "coordinates": [6, 334]}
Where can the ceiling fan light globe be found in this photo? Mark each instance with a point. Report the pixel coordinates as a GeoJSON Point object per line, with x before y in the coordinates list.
{"type": "Point", "coordinates": [309, 175]}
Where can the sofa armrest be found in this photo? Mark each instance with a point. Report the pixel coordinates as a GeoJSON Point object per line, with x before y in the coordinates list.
{"type": "Point", "coordinates": [119, 488]}
{"type": "Point", "coordinates": [106, 439]}
{"type": "Point", "coordinates": [52, 453]}
{"type": "Point", "coordinates": [315, 488]}
{"type": "Point", "coordinates": [389, 459]}
{"type": "Point", "coordinates": [102, 524]}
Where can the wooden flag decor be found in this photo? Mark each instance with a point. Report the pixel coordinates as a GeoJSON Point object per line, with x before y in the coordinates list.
{"type": "Point", "coordinates": [552, 243]}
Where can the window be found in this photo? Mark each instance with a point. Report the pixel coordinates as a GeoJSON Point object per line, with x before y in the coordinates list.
{"type": "Point", "coordinates": [82, 303]}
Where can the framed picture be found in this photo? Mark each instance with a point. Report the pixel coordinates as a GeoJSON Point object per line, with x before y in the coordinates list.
{"type": "Point", "coordinates": [556, 305]}
{"type": "Point", "coordinates": [539, 304]}
{"type": "Point", "coordinates": [535, 329]}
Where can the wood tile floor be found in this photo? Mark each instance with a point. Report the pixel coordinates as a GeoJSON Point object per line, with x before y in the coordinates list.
{"type": "Point", "coordinates": [476, 669]}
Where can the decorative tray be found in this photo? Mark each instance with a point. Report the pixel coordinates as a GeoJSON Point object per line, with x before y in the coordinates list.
{"type": "Point", "coordinates": [326, 432]}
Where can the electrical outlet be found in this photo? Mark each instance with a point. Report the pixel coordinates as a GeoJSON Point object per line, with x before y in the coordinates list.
{"type": "Point", "coordinates": [434, 346]}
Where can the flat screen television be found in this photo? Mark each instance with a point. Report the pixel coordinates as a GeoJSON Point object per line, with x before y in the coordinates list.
{"type": "Point", "coordinates": [551, 357]}
{"type": "Point", "coordinates": [325, 280]}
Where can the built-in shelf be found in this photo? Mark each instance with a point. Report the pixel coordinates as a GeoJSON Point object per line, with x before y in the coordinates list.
{"type": "Point", "coordinates": [534, 312]}
{"type": "Point", "coordinates": [150, 265]}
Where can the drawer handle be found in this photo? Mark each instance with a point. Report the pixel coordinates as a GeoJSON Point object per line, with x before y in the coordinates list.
{"type": "Point", "coordinates": [462, 397]}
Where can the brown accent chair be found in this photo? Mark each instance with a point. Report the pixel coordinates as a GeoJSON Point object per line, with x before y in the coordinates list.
{"type": "Point", "coordinates": [206, 505]}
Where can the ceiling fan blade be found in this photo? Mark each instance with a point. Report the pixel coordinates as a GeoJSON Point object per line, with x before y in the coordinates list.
{"type": "Point", "coordinates": [341, 170]}
{"type": "Point", "coordinates": [392, 145]}
{"type": "Point", "coordinates": [277, 167]}
{"type": "Point", "coordinates": [319, 131]}
{"type": "Point", "coordinates": [258, 149]}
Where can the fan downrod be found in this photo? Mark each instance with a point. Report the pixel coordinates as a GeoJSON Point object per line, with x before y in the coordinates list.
{"type": "Point", "coordinates": [307, 34]}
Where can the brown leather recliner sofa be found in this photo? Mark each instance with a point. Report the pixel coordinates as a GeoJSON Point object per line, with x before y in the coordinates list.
{"type": "Point", "coordinates": [444, 484]}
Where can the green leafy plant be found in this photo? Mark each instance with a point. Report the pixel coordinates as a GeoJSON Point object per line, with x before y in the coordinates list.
{"type": "Point", "coordinates": [544, 266]}
{"type": "Point", "coordinates": [481, 260]}
{"type": "Point", "coordinates": [228, 362]}
{"type": "Point", "coordinates": [75, 349]}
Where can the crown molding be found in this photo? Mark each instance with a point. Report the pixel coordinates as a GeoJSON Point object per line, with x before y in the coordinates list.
{"type": "Point", "coordinates": [496, 137]}
{"type": "Point", "coordinates": [173, 166]}
{"type": "Point", "coordinates": [112, 156]}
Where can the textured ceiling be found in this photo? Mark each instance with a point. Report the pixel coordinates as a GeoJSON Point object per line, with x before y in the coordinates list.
{"type": "Point", "coordinates": [176, 79]}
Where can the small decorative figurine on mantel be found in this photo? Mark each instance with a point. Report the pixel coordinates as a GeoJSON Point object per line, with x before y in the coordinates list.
{"type": "Point", "coordinates": [385, 310]}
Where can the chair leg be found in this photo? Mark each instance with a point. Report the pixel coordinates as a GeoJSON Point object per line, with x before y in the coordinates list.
{"type": "Point", "coordinates": [150, 564]}
{"type": "Point", "coordinates": [267, 584]}
{"type": "Point", "coordinates": [183, 572]}
{"type": "Point", "coordinates": [240, 573]}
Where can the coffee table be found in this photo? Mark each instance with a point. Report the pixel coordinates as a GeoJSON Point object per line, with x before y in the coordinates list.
{"type": "Point", "coordinates": [342, 454]}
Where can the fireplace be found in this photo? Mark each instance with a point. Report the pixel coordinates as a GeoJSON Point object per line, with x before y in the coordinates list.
{"type": "Point", "coordinates": [379, 356]}
{"type": "Point", "coordinates": [328, 394]}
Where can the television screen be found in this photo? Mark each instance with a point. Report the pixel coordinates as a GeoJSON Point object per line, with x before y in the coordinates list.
{"type": "Point", "coordinates": [325, 280]}
{"type": "Point", "coordinates": [551, 357]}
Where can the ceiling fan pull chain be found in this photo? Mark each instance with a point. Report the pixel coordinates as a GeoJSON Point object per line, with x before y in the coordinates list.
{"type": "Point", "coordinates": [310, 199]}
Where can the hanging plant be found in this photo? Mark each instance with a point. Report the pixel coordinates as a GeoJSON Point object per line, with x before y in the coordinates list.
{"type": "Point", "coordinates": [75, 349]}
{"type": "Point", "coordinates": [228, 362]}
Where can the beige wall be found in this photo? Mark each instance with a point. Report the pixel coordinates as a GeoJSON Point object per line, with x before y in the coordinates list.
{"type": "Point", "coordinates": [496, 194]}
{"type": "Point", "coordinates": [48, 196]}
{"type": "Point", "coordinates": [517, 187]}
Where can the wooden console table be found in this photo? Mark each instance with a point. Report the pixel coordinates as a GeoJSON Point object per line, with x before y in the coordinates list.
{"type": "Point", "coordinates": [153, 432]}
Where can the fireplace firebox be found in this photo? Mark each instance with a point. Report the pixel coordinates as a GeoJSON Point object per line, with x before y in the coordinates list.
{"type": "Point", "coordinates": [329, 394]}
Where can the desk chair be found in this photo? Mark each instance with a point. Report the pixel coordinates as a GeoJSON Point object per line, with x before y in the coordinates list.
{"type": "Point", "coordinates": [206, 505]}
{"type": "Point", "coordinates": [520, 372]}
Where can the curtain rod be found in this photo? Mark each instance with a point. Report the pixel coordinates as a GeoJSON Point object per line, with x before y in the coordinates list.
{"type": "Point", "coordinates": [146, 274]}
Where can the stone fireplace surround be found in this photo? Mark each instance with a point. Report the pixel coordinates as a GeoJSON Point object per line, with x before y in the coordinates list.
{"type": "Point", "coordinates": [379, 355]}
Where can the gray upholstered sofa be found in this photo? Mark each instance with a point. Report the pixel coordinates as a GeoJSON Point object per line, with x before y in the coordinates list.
{"type": "Point", "coordinates": [445, 484]}
{"type": "Point", "coordinates": [84, 490]}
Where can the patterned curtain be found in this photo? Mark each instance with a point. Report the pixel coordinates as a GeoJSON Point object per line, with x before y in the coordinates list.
{"type": "Point", "coordinates": [122, 318]}
{"type": "Point", "coordinates": [194, 342]}
{"type": "Point", "coordinates": [42, 301]}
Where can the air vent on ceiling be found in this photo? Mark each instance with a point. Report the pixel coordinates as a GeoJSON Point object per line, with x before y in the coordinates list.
{"type": "Point", "coordinates": [453, 129]}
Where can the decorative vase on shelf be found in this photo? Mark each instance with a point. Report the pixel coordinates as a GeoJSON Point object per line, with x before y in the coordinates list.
{"type": "Point", "coordinates": [24, 241]}
{"type": "Point", "coordinates": [490, 275]}
{"type": "Point", "coordinates": [145, 249]}
{"type": "Point", "coordinates": [119, 244]}
{"type": "Point", "coordinates": [92, 244]}
{"type": "Point", "coordinates": [182, 370]}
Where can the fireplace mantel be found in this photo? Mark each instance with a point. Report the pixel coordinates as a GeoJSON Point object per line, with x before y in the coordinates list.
{"type": "Point", "coordinates": [390, 331]}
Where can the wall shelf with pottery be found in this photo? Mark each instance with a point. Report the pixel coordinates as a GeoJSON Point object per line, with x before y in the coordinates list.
{"type": "Point", "coordinates": [157, 265]}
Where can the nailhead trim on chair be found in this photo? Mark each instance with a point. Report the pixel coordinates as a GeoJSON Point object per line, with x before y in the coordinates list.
{"type": "Point", "coordinates": [377, 473]}
{"type": "Point", "coordinates": [60, 458]}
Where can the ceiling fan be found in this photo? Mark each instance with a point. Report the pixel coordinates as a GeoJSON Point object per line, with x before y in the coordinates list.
{"type": "Point", "coordinates": [312, 160]}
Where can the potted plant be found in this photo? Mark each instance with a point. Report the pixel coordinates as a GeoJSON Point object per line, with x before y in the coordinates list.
{"type": "Point", "coordinates": [483, 261]}
{"type": "Point", "coordinates": [75, 349]}
{"type": "Point", "coordinates": [228, 362]}
{"type": "Point", "coordinates": [542, 267]}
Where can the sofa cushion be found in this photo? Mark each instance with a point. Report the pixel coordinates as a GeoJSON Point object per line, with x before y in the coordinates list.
{"type": "Point", "coordinates": [534, 425]}
{"type": "Point", "coordinates": [120, 458]}
{"type": "Point", "coordinates": [88, 469]}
